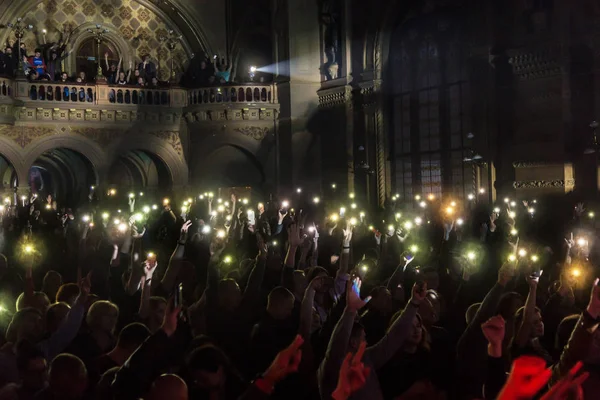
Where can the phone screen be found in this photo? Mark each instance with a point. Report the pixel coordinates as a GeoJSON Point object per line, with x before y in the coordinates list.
{"type": "Point", "coordinates": [178, 297]}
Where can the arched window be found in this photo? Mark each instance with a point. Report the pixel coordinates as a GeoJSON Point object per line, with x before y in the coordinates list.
{"type": "Point", "coordinates": [430, 108]}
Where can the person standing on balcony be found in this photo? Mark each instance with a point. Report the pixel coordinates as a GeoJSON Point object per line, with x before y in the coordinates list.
{"type": "Point", "coordinates": [222, 70]}
{"type": "Point", "coordinates": [37, 62]}
{"type": "Point", "coordinates": [54, 62]}
{"type": "Point", "coordinates": [147, 68]}
{"type": "Point", "coordinates": [111, 70]}
{"type": "Point", "coordinates": [9, 62]}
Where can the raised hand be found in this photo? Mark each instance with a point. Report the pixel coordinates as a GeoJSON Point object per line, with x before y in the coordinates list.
{"type": "Point", "coordinates": [593, 307]}
{"type": "Point", "coordinates": [84, 289]}
{"type": "Point", "coordinates": [527, 377]}
{"type": "Point", "coordinates": [286, 362]}
{"type": "Point", "coordinates": [184, 231]}
{"type": "Point", "coordinates": [579, 209]}
{"type": "Point", "coordinates": [493, 330]}
{"type": "Point", "coordinates": [567, 385]}
{"type": "Point", "coordinates": [294, 236]}
{"type": "Point", "coordinates": [347, 235]}
{"type": "Point", "coordinates": [419, 292]}
{"type": "Point", "coordinates": [263, 248]}
{"type": "Point", "coordinates": [353, 300]}
{"type": "Point", "coordinates": [353, 374]}
{"type": "Point", "coordinates": [493, 218]}
{"type": "Point", "coordinates": [506, 273]}
{"type": "Point", "coordinates": [169, 325]}
{"type": "Point", "coordinates": [570, 241]}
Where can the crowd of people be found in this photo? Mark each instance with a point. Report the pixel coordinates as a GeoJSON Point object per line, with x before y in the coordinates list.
{"type": "Point", "coordinates": [47, 65]}
{"type": "Point", "coordinates": [220, 296]}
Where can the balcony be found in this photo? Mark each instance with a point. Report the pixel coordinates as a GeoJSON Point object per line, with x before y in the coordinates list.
{"type": "Point", "coordinates": [23, 102]}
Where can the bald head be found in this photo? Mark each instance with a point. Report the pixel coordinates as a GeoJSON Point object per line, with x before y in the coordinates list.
{"type": "Point", "coordinates": [168, 386]}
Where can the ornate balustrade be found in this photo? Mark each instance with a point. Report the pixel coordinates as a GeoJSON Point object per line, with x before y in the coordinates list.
{"type": "Point", "coordinates": [50, 101]}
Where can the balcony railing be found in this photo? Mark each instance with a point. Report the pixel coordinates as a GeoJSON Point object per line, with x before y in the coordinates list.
{"type": "Point", "coordinates": [231, 94]}
{"type": "Point", "coordinates": [98, 94]}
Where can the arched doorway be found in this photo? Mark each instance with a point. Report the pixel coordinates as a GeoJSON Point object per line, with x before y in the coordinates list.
{"type": "Point", "coordinates": [139, 169]}
{"type": "Point", "coordinates": [230, 166]}
{"type": "Point", "coordinates": [87, 53]}
{"type": "Point", "coordinates": [8, 175]}
{"type": "Point", "coordinates": [63, 173]}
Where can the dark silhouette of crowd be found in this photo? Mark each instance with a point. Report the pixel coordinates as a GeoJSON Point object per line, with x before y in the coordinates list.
{"type": "Point", "coordinates": [201, 296]}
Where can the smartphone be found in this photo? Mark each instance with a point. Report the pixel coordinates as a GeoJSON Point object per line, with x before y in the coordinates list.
{"type": "Point", "coordinates": [251, 217]}
{"type": "Point", "coordinates": [178, 296]}
{"type": "Point", "coordinates": [536, 274]}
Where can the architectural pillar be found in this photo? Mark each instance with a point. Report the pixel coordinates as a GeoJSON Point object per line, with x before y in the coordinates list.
{"type": "Point", "coordinates": [297, 61]}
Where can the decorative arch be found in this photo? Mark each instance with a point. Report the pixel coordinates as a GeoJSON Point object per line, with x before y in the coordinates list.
{"type": "Point", "coordinates": [141, 22]}
{"type": "Point", "coordinates": [81, 34]}
{"type": "Point", "coordinates": [13, 154]}
{"type": "Point", "coordinates": [84, 146]}
{"type": "Point", "coordinates": [231, 161]}
{"type": "Point", "coordinates": [174, 162]}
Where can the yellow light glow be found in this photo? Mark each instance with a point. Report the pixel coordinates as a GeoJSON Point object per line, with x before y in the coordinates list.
{"type": "Point", "coordinates": [227, 259]}
{"type": "Point", "coordinates": [460, 221]}
{"type": "Point", "coordinates": [414, 248]}
{"type": "Point", "coordinates": [244, 201]}
{"type": "Point", "coordinates": [531, 210]}
{"type": "Point", "coordinates": [512, 214]}
{"type": "Point", "coordinates": [7, 200]}
{"type": "Point", "coordinates": [228, 218]}
{"type": "Point", "coordinates": [146, 209]}
{"type": "Point", "coordinates": [48, 207]}
{"type": "Point", "coordinates": [576, 272]}
{"type": "Point", "coordinates": [591, 214]}
{"type": "Point", "coordinates": [398, 215]}
{"type": "Point", "coordinates": [408, 225]}
{"type": "Point", "coordinates": [422, 204]}
{"type": "Point", "coordinates": [23, 197]}
{"type": "Point", "coordinates": [364, 268]}
{"type": "Point", "coordinates": [112, 192]}
{"type": "Point", "coordinates": [534, 258]}
{"type": "Point", "coordinates": [497, 210]}
{"type": "Point", "coordinates": [353, 221]}
{"type": "Point", "coordinates": [481, 190]}
{"type": "Point", "coordinates": [221, 208]}
{"type": "Point", "coordinates": [141, 193]}
{"type": "Point", "coordinates": [28, 249]}
{"type": "Point", "coordinates": [220, 234]}
{"type": "Point", "coordinates": [371, 227]}
{"type": "Point", "coordinates": [471, 255]}
{"type": "Point", "coordinates": [316, 200]}
{"type": "Point", "coordinates": [391, 228]}
{"type": "Point", "coordinates": [154, 207]}
{"type": "Point", "coordinates": [131, 195]}
{"type": "Point", "coordinates": [362, 214]}
{"type": "Point", "coordinates": [470, 197]}
{"type": "Point", "coordinates": [342, 210]}
{"type": "Point", "coordinates": [522, 252]}
{"type": "Point", "coordinates": [211, 194]}
{"type": "Point", "coordinates": [431, 197]}
{"type": "Point", "coordinates": [449, 210]}
{"type": "Point", "coordinates": [512, 203]}
{"type": "Point", "coordinates": [86, 218]}
{"type": "Point", "coordinates": [417, 197]}
{"type": "Point", "coordinates": [351, 195]}
{"type": "Point", "coordinates": [122, 227]}
{"type": "Point", "coordinates": [418, 220]}
{"type": "Point", "coordinates": [285, 204]}
{"type": "Point", "coordinates": [581, 242]}
{"type": "Point", "coordinates": [453, 204]}
{"type": "Point", "coordinates": [506, 200]}
{"type": "Point", "coordinates": [219, 200]}
{"type": "Point", "coordinates": [512, 258]}
{"type": "Point", "coordinates": [333, 185]}
{"type": "Point", "coordinates": [166, 201]}
{"type": "Point", "coordinates": [334, 217]}
{"type": "Point", "coordinates": [151, 255]}
{"type": "Point", "coordinates": [116, 221]}
{"type": "Point", "coordinates": [91, 224]}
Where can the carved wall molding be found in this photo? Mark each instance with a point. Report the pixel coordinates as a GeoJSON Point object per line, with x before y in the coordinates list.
{"type": "Point", "coordinates": [332, 97]}
{"type": "Point", "coordinates": [117, 115]}
{"type": "Point", "coordinates": [201, 114]}
{"type": "Point", "coordinates": [253, 132]}
{"type": "Point", "coordinates": [26, 135]}
{"type": "Point", "coordinates": [531, 164]}
{"type": "Point", "coordinates": [557, 183]}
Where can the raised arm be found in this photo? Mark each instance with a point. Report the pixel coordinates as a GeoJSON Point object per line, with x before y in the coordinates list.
{"type": "Point", "coordinates": [168, 281]}
{"type": "Point", "coordinates": [338, 344]}
{"type": "Point", "coordinates": [524, 332]}
{"type": "Point", "coordinates": [257, 274]}
{"type": "Point", "coordinates": [580, 343]}
{"type": "Point", "coordinates": [383, 350]}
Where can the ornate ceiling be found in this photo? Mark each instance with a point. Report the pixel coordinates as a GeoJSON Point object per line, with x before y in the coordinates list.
{"type": "Point", "coordinates": [139, 25]}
